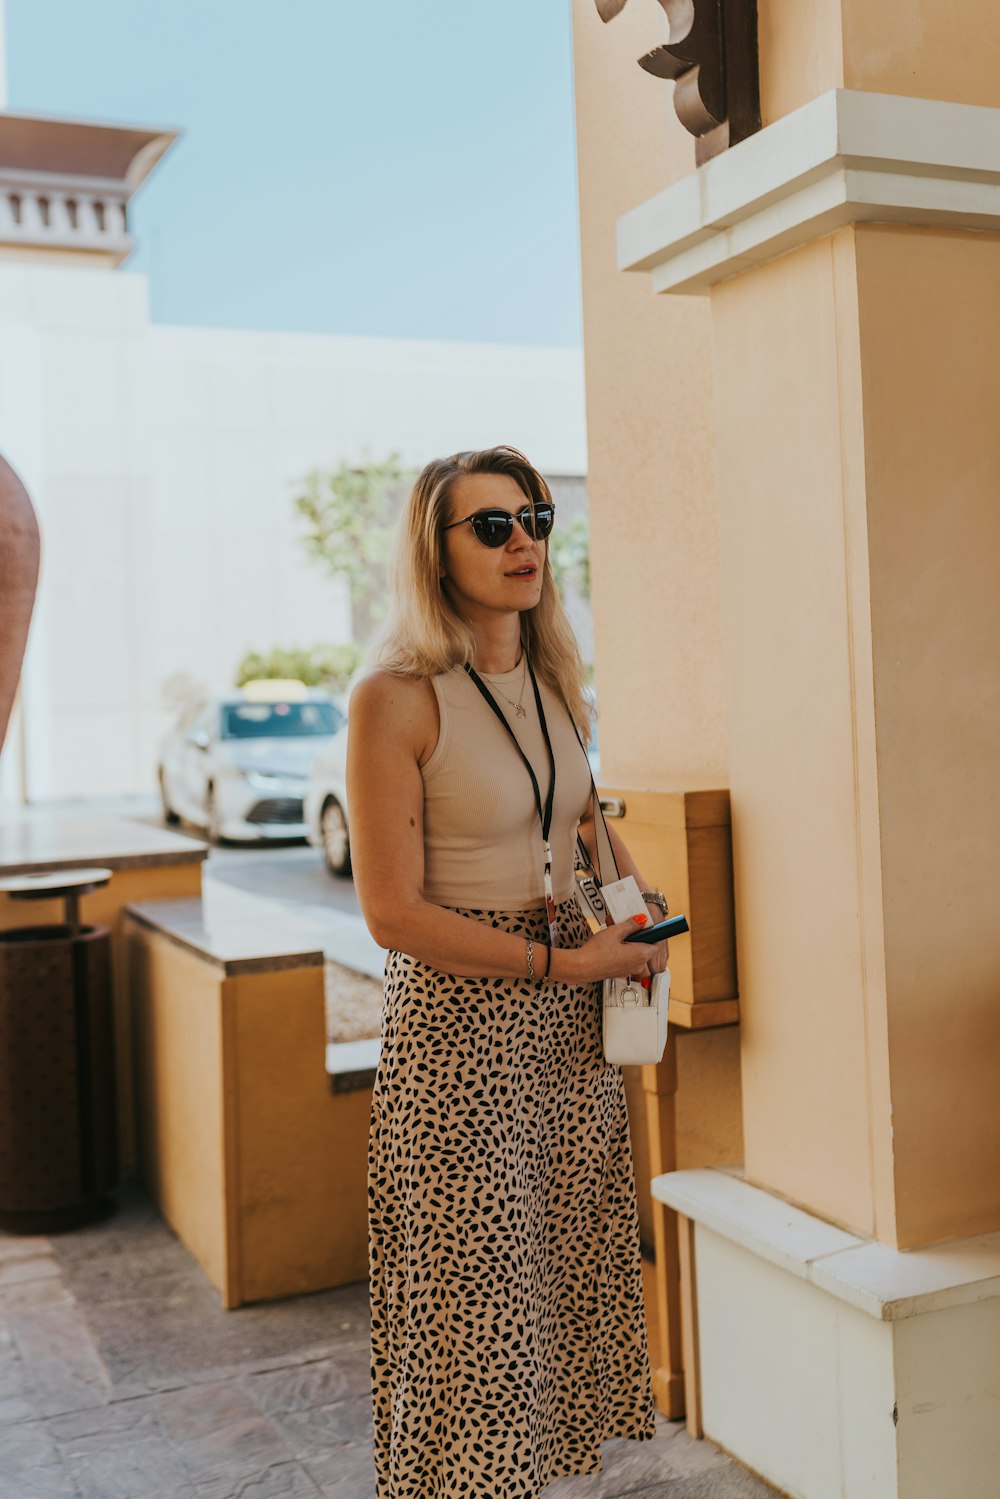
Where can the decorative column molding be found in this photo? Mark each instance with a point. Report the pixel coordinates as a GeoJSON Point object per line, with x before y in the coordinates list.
{"type": "Point", "coordinates": [845, 157]}
{"type": "Point", "coordinates": [711, 56]}
{"type": "Point", "coordinates": [65, 184]}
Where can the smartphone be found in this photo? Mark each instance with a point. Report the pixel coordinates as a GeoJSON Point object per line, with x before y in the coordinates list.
{"type": "Point", "coordinates": [660, 931]}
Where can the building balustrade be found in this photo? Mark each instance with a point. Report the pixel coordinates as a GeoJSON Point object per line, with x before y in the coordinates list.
{"type": "Point", "coordinates": [60, 214]}
{"type": "Point", "coordinates": [65, 185]}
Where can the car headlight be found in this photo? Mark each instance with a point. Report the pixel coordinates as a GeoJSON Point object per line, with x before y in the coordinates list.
{"type": "Point", "coordinates": [260, 780]}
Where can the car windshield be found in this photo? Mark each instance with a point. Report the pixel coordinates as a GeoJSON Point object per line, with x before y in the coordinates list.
{"type": "Point", "coordinates": [279, 720]}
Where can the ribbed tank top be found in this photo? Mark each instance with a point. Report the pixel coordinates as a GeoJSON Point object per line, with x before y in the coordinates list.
{"type": "Point", "coordinates": [482, 835]}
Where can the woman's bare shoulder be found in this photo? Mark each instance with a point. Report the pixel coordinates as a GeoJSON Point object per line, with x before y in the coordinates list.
{"type": "Point", "coordinates": [389, 691]}
{"type": "Point", "coordinates": [403, 707]}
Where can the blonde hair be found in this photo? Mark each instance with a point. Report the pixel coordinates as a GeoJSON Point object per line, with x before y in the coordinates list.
{"type": "Point", "coordinates": [426, 634]}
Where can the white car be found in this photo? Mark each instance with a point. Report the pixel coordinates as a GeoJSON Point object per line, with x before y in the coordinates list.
{"type": "Point", "coordinates": [238, 765]}
{"type": "Point", "coordinates": [325, 806]}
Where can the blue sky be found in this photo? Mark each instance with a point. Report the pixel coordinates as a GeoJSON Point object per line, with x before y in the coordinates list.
{"type": "Point", "coordinates": [389, 168]}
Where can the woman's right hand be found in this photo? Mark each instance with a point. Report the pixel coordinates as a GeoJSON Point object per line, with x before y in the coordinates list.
{"type": "Point", "coordinates": [606, 955]}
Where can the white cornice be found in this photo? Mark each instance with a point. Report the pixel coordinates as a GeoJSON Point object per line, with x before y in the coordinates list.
{"type": "Point", "coordinates": [846, 157]}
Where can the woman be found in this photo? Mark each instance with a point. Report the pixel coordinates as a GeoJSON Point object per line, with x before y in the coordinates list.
{"type": "Point", "coordinates": [508, 1331]}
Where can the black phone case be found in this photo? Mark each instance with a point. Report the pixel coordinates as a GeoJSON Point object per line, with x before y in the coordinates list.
{"type": "Point", "coordinates": [661, 931]}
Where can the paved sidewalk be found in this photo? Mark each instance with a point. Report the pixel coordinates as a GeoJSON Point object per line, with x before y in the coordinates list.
{"type": "Point", "coordinates": [122, 1378]}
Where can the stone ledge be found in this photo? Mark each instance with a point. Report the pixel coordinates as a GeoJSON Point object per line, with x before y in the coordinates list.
{"type": "Point", "coordinates": [888, 1284]}
{"type": "Point", "coordinates": [352, 1064]}
{"type": "Point", "coordinates": [235, 943]}
{"type": "Point", "coordinates": [50, 841]}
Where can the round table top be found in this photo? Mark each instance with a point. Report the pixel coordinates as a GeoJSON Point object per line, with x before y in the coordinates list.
{"type": "Point", "coordinates": [54, 882]}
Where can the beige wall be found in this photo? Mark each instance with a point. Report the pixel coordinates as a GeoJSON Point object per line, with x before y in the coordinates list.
{"type": "Point", "coordinates": [929, 304]}
{"type": "Point", "coordinates": [920, 48]}
{"type": "Point", "coordinates": [651, 484]}
{"type": "Point", "coordinates": [802, 769]}
{"type": "Point", "coordinates": [923, 48]}
{"type": "Point", "coordinates": [801, 54]}
{"type": "Point", "coordinates": [859, 464]}
{"type": "Point", "coordinates": [653, 518]}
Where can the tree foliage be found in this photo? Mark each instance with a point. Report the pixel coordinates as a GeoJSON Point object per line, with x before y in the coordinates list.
{"type": "Point", "coordinates": [569, 554]}
{"type": "Point", "coordinates": [349, 513]}
{"type": "Point", "coordinates": [323, 665]}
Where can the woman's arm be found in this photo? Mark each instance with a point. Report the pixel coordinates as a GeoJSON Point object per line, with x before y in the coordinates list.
{"type": "Point", "coordinates": [392, 730]}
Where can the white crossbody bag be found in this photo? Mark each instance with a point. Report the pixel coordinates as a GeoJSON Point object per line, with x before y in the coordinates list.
{"type": "Point", "coordinates": [635, 1019]}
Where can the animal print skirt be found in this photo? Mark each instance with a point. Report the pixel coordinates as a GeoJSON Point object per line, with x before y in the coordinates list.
{"type": "Point", "coordinates": [508, 1326]}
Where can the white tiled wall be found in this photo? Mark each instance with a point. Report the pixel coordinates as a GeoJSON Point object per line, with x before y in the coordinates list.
{"type": "Point", "coordinates": [162, 463]}
{"type": "Point", "coordinates": [948, 1393]}
{"type": "Point", "coordinates": [795, 1383]}
{"type": "Point", "coordinates": [802, 1386]}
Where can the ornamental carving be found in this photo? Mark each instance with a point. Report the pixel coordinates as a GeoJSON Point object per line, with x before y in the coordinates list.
{"type": "Point", "coordinates": [710, 55]}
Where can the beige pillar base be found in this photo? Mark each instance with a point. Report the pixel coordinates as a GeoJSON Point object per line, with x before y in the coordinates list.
{"type": "Point", "coordinates": [831, 1364]}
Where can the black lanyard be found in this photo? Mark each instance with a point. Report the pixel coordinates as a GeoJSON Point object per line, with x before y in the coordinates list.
{"type": "Point", "coordinates": [544, 814]}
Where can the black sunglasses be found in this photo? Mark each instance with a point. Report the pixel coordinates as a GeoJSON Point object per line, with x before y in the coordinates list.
{"type": "Point", "coordinates": [494, 528]}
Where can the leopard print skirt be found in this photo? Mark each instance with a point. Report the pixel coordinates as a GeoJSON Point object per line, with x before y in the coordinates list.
{"type": "Point", "coordinates": [508, 1325]}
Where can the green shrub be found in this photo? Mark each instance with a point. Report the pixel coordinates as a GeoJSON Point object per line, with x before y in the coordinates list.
{"type": "Point", "coordinates": [326, 666]}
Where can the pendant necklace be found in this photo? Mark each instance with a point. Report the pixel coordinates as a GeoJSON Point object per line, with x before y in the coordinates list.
{"type": "Point", "coordinates": [518, 707]}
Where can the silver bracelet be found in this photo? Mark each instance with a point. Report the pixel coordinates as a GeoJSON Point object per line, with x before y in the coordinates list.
{"type": "Point", "coordinates": [531, 960]}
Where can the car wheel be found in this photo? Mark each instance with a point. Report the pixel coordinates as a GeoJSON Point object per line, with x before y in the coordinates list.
{"type": "Point", "coordinates": [212, 817]}
{"type": "Point", "coordinates": [336, 844]}
{"type": "Point", "coordinates": [169, 815]}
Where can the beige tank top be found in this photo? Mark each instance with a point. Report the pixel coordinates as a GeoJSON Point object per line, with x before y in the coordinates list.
{"type": "Point", "coordinates": [482, 834]}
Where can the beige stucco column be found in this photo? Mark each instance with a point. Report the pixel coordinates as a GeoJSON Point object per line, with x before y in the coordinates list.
{"type": "Point", "coordinates": [859, 462]}
{"type": "Point", "coordinates": [847, 261]}
{"type": "Point", "coordinates": [850, 258]}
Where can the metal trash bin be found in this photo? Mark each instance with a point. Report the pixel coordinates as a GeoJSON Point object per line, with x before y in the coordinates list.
{"type": "Point", "coordinates": [58, 1107]}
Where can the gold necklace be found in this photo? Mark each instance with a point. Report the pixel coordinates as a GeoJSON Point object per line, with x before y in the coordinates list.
{"type": "Point", "coordinates": [518, 707]}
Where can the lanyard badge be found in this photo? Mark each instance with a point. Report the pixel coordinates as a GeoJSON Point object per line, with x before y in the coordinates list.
{"type": "Point", "coordinates": [550, 903]}
{"type": "Point", "coordinates": [544, 813]}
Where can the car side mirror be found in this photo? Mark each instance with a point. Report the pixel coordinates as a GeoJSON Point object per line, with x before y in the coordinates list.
{"type": "Point", "coordinates": [199, 739]}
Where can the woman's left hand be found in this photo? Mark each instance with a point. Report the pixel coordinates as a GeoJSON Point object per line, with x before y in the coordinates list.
{"type": "Point", "coordinates": [658, 954]}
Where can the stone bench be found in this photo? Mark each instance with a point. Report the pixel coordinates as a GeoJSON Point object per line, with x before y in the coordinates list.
{"type": "Point", "coordinates": [351, 1064]}
{"type": "Point", "coordinates": [254, 1152]}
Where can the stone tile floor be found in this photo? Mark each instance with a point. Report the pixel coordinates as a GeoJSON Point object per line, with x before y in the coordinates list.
{"type": "Point", "coordinates": [121, 1377]}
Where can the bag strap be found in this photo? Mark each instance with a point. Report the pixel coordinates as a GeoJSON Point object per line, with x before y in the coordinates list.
{"type": "Point", "coordinates": [605, 850]}
{"type": "Point", "coordinates": [606, 860]}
